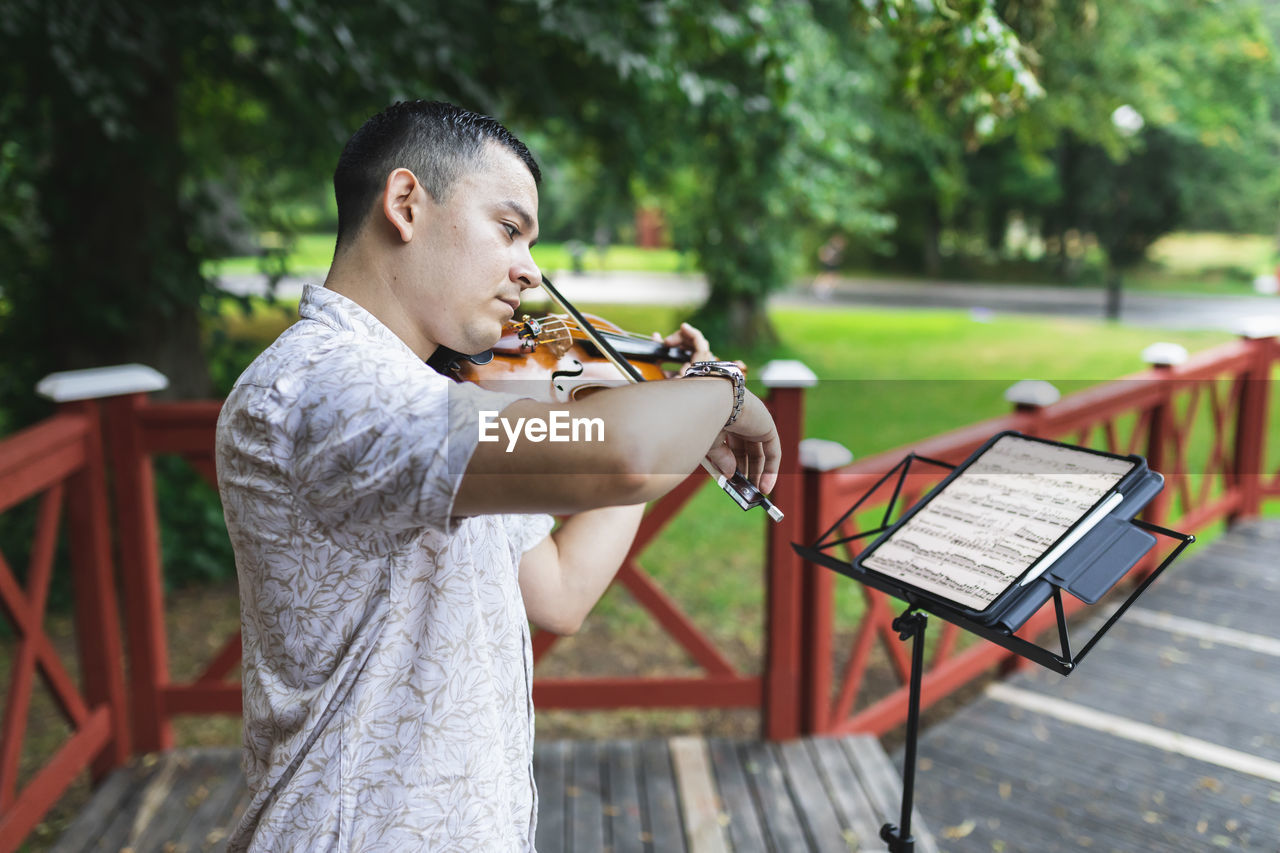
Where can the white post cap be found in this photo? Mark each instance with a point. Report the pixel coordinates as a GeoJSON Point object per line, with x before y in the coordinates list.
{"type": "Point", "coordinates": [1164, 354]}
{"type": "Point", "coordinates": [1259, 326]}
{"type": "Point", "coordinates": [1032, 392]}
{"type": "Point", "coordinates": [819, 454]}
{"type": "Point", "coordinates": [98, 382]}
{"type": "Point", "coordinates": [787, 373]}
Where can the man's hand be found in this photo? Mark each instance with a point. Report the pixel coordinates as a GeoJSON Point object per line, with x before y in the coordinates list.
{"type": "Point", "coordinates": [750, 445]}
{"type": "Point", "coordinates": [690, 338]}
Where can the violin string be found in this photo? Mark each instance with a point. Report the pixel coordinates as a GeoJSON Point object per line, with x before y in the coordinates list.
{"type": "Point", "coordinates": [566, 323]}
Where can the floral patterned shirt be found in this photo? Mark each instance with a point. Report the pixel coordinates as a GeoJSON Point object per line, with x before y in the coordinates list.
{"type": "Point", "coordinates": [387, 666]}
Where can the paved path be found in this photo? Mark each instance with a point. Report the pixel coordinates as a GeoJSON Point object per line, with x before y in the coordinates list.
{"type": "Point", "coordinates": [1223, 313]}
{"type": "Point", "coordinates": [1167, 311]}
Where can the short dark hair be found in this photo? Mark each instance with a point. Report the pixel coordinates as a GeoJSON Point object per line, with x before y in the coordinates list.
{"type": "Point", "coordinates": [434, 140]}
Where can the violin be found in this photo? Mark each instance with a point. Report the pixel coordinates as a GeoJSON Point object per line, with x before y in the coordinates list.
{"type": "Point", "coordinates": [556, 351]}
{"type": "Point", "coordinates": [580, 354]}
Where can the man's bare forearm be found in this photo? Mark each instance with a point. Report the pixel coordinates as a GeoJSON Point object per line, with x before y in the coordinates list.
{"type": "Point", "coordinates": [562, 580]}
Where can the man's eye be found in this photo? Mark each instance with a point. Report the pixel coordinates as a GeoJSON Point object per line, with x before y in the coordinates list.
{"type": "Point", "coordinates": [512, 231]}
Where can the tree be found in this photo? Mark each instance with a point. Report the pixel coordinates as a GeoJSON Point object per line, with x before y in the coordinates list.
{"type": "Point", "coordinates": [128, 115]}
{"type": "Point", "coordinates": [1156, 115]}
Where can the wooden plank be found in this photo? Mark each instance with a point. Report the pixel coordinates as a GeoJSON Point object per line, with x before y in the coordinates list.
{"type": "Point", "coordinates": [108, 806]}
{"type": "Point", "coordinates": [151, 805]}
{"type": "Point", "coordinates": [699, 802]}
{"type": "Point", "coordinates": [238, 810]}
{"type": "Point", "coordinates": [115, 829]}
{"type": "Point", "coordinates": [1061, 816]}
{"type": "Point", "coordinates": [584, 798]}
{"type": "Point", "coordinates": [662, 824]}
{"type": "Point", "coordinates": [979, 817]}
{"type": "Point", "coordinates": [746, 832]}
{"type": "Point", "coordinates": [1044, 782]}
{"type": "Point", "coordinates": [857, 815]}
{"type": "Point", "coordinates": [782, 825]}
{"type": "Point", "coordinates": [208, 828]}
{"type": "Point", "coordinates": [623, 824]}
{"type": "Point", "coordinates": [550, 773]}
{"type": "Point", "coordinates": [813, 803]}
{"type": "Point", "coordinates": [884, 788]}
{"type": "Point", "coordinates": [1179, 673]}
{"type": "Point", "coordinates": [195, 774]}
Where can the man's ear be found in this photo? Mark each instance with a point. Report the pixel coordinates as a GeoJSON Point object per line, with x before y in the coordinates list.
{"type": "Point", "coordinates": [402, 201]}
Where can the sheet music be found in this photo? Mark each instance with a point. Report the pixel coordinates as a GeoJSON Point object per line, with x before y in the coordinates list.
{"type": "Point", "coordinates": [978, 535]}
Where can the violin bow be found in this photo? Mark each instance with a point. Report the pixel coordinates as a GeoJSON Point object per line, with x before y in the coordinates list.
{"type": "Point", "coordinates": [738, 487]}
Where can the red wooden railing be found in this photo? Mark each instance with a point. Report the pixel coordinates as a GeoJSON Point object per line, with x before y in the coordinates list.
{"type": "Point", "coordinates": [1203, 424]}
{"type": "Point", "coordinates": [138, 429]}
{"type": "Point", "coordinates": [60, 463]}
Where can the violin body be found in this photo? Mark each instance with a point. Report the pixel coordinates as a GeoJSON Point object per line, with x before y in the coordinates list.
{"type": "Point", "coordinates": [556, 362]}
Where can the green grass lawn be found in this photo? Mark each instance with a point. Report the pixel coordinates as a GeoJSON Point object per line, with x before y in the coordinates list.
{"type": "Point", "coordinates": [1205, 263]}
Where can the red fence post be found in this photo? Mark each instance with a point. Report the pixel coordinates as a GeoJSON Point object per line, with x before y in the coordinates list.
{"type": "Point", "coordinates": [97, 614]}
{"type": "Point", "coordinates": [1162, 358]}
{"type": "Point", "coordinates": [780, 712]}
{"type": "Point", "coordinates": [133, 490]}
{"type": "Point", "coordinates": [1251, 426]}
{"type": "Point", "coordinates": [818, 608]}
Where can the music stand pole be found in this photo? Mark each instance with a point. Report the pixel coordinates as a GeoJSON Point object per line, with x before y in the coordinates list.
{"type": "Point", "coordinates": [910, 625]}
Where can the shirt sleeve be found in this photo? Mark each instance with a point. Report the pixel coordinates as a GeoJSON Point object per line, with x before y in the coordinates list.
{"type": "Point", "coordinates": [527, 531]}
{"type": "Point", "coordinates": [379, 451]}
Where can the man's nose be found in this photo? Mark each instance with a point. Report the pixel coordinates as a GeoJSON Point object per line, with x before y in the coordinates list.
{"type": "Point", "coordinates": [526, 273]}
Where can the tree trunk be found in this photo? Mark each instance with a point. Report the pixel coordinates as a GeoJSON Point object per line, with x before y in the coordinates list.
{"type": "Point", "coordinates": [1114, 284]}
{"type": "Point", "coordinates": [932, 239]}
{"type": "Point", "coordinates": [734, 320]}
{"type": "Point", "coordinates": [123, 284]}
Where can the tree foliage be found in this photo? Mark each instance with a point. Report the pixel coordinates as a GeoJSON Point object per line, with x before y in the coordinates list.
{"type": "Point", "coordinates": [1155, 115]}
{"type": "Point", "coordinates": [139, 137]}
{"type": "Point", "coordinates": [135, 127]}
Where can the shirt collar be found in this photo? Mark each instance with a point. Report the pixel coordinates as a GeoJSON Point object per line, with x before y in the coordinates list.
{"type": "Point", "coordinates": [336, 311]}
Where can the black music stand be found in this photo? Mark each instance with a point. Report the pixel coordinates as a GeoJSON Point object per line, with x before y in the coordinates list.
{"type": "Point", "coordinates": [1109, 547]}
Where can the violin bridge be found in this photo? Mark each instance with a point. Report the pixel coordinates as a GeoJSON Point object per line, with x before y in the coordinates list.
{"type": "Point", "coordinates": [551, 332]}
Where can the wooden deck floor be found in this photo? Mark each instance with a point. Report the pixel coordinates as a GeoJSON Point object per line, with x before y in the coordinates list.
{"type": "Point", "coordinates": [1166, 739]}
{"type": "Point", "coordinates": [661, 796]}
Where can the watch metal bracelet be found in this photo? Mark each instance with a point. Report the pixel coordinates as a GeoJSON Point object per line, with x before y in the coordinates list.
{"type": "Point", "coordinates": [729, 371]}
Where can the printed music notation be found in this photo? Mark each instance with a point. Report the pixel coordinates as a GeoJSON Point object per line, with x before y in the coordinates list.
{"type": "Point", "coordinates": [977, 536]}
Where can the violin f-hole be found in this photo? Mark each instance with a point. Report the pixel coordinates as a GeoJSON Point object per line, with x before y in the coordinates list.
{"type": "Point", "coordinates": [564, 388]}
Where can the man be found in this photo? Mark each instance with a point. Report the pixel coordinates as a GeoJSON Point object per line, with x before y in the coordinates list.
{"type": "Point", "coordinates": [389, 561]}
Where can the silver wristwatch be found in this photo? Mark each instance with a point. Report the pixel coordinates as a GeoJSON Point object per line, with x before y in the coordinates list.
{"type": "Point", "coordinates": [729, 371]}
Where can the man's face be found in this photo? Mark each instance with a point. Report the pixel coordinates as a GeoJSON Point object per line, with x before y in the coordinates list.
{"type": "Point", "coordinates": [474, 255]}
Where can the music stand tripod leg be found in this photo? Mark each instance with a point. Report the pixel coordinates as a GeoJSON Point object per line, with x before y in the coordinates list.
{"type": "Point", "coordinates": [910, 625]}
